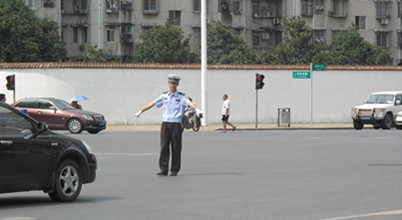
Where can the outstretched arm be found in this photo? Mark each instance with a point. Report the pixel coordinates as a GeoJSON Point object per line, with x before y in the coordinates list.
{"type": "Point", "coordinates": [150, 105]}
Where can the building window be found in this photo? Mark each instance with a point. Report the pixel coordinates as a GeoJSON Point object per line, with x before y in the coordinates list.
{"type": "Point", "coordinates": [271, 8]}
{"type": "Point", "coordinates": [48, 3]}
{"type": "Point", "coordinates": [307, 7]}
{"type": "Point", "coordinates": [382, 9]}
{"type": "Point", "coordinates": [84, 35]}
{"type": "Point", "coordinates": [399, 9]}
{"type": "Point", "coordinates": [312, 7]}
{"type": "Point", "coordinates": [319, 7]}
{"type": "Point", "coordinates": [126, 34]}
{"type": "Point", "coordinates": [80, 5]}
{"type": "Point", "coordinates": [256, 9]}
{"type": "Point", "coordinates": [277, 37]}
{"type": "Point", "coordinates": [319, 36]}
{"type": "Point", "coordinates": [150, 5]}
{"type": "Point", "coordinates": [256, 39]}
{"type": "Point", "coordinates": [196, 36]}
{"type": "Point", "coordinates": [111, 6]}
{"type": "Point", "coordinates": [237, 7]}
{"type": "Point", "coordinates": [32, 4]}
{"type": "Point", "coordinates": [237, 31]}
{"type": "Point", "coordinates": [340, 7]}
{"type": "Point", "coordinates": [110, 35]}
{"type": "Point", "coordinates": [196, 5]}
{"type": "Point", "coordinates": [75, 35]}
{"type": "Point", "coordinates": [360, 22]}
{"type": "Point", "coordinates": [399, 34]}
{"type": "Point", "coordinates": [175, 16]}
{"type": "Point", "coordinates": [382, 39]}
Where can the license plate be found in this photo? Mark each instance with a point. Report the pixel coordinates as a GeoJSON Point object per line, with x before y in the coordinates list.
{"type": "Point", "coordinates": [101, 123]}
{"type": "Point", "coordinates": [366, 117]}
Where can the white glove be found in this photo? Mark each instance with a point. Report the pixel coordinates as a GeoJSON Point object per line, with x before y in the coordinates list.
{"type": "Point", "coordinates": [199, 112]}
{"type": "Point", "coordinates": [137, 115]}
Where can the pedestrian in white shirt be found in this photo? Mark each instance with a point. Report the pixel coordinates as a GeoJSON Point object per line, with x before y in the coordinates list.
{"type": "Point", "coordinates": [226, 113]}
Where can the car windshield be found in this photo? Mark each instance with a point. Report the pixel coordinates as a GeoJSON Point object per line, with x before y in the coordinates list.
{"type": "Point", "coordinates": [380, 99]}
{"type": "Point", "coordinates": [63, 105]}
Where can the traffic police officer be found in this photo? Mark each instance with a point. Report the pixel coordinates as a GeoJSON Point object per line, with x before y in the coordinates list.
{"type": "Point", "coordinates": [174, 104]}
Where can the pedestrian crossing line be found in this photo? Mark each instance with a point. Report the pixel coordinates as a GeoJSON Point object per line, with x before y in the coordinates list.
{"type": "Point", "coordinates": [394, 212]}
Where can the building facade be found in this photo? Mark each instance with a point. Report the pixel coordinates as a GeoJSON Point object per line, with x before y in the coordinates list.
{"type": "Point", "coordinates": [116, 25]}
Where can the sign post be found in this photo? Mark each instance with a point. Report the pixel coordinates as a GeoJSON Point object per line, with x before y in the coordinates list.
{"type": "Point", "coordinates": [314, 67]}
{"type": "Point", "coordinates": [309, 75]}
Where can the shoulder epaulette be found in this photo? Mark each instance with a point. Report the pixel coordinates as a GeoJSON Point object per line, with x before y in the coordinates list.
{"type": "Point", "coordinates": [180, 93]}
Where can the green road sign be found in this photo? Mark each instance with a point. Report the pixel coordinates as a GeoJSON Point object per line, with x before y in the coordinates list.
{"type": "Point", "coordinates": [319, 67]}
{"type": "Point", "coordinates": [301, 75]}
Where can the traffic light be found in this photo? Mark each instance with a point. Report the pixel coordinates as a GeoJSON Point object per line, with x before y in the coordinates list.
{"type": "Point", "coordinates": [259, 78]}
{"type": "Point", "coordinates": [10, 82]}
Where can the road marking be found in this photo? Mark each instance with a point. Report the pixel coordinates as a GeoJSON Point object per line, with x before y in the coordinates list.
{"type": "Point", "coordinates": [125, 154]}
{"type": "Point", "coordinates": [394, 212]}
{"type": "Point", "coordinates": [18, 218]}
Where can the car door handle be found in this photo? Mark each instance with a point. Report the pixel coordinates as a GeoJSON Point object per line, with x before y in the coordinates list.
{"type": "Point", "coordinates": [6, 142]}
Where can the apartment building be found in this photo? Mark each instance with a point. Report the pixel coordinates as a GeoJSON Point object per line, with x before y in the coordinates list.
{"type": "Point", "coordinates": [115, 25]}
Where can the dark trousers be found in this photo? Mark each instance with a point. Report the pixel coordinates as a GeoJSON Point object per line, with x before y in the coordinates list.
{"type": "Point", "coordinates": [171, 134]}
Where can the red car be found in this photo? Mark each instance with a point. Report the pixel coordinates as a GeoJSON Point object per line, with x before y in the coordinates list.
{"type": "Point", "coordinates": [59, 115]}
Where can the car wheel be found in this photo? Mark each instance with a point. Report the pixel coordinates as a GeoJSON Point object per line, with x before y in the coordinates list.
{"type": "Point", "coordinates": [357, 125]}
{"type": "Point", "coordinates": [67, 183]}
{"type": "Point", "coordinates": [197, 125]}
{"type": "Point", "coordinates": [387, 122]}
{"type": "Point", "coordinates": [75, 126]}
{"type": "Point", "coordinates": [93, 131]}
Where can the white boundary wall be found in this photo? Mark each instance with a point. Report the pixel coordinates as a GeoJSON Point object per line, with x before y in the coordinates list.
{"type": "Point", "coordinates": [119, 93]}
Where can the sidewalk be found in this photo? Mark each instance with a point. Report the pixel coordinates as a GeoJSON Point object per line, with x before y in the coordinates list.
{"type": "Point", "coordinates": [239, 127]}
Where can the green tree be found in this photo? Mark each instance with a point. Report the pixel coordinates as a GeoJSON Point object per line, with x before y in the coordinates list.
{"type": "Point", "coordinates": [349, 48]}
{"type": "Point", "coordinates": [94, 55]}
{"type": "Point", "coordinates": [25, 37]}
{"type": "Point", "coordinates": [298, 46]}
{"type": "Point", "coordinates": [164, 44]}
{"type": "Point", "coordinates": [224, 47]}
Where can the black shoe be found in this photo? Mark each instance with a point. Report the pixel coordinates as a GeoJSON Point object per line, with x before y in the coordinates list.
{"type": "Point", "coordinates": [173, 173]}
{"type": "Point", "coordinates": [162, 173]}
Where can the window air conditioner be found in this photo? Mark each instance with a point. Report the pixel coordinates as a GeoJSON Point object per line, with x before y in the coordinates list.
{"type": "Point", "coordinates": [276, 21]}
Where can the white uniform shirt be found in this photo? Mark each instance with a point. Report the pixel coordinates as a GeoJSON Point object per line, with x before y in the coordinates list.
{"type": "Point", "coordinates": [226, 105]}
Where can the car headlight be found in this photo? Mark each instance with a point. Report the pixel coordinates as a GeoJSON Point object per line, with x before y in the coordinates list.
{"type": "Point", "coordinates": [355, 110]}
{"type": "Point", "coordinates": [87, 147]}
{"type": "Point", "coordinates": [379, 110]}
{"type": "Point", "coordinates": [88, 117]}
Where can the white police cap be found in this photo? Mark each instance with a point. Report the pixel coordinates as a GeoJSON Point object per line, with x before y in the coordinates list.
{"type": "Point", "coordinates": [174, 78]}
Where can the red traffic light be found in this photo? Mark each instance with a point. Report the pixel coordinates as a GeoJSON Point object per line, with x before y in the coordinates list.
{"type": "Point", "coordinates": [259, 81]}
{"type": "Point", "coordinates": [10, 82]}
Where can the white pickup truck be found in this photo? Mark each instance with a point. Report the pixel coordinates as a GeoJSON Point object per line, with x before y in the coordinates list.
{"type": "Point", "coordinates": [380, 109]}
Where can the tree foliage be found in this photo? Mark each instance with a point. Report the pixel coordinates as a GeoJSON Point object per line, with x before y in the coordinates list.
{"type": "Point", "coordinates": [25, 37]}
{"type": "Point", "coordinates": [298, 46]}
{"type": "Point", "coordinates": [164, 44]}
{"type": "Point", "coordinates": [349, 48]}
{"type": "Point", "coordinates": [94, 55]}
{"type": "Point", "coordinates": [224, 47]}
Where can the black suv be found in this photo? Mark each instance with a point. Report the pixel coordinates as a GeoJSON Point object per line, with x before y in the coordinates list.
{"type": "Point", "coordinates": [34, 158]}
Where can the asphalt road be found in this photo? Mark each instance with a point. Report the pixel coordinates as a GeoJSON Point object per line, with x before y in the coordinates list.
{"type": "Point", "coordinates": [271, 174]}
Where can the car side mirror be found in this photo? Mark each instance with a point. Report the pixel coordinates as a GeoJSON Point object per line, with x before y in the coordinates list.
{"type": "Point", "coordinates": [398, 102]}
{"type": "Point", "coordinates": [53, 108]}
{"type": "Point", "coordinates": [42, 127]}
